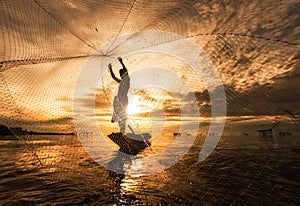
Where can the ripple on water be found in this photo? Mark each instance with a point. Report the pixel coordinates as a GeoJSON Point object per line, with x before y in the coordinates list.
{"type": "Point", "coordinates": [69, 175]}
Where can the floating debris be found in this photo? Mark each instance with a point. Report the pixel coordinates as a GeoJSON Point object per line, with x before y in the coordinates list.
{"type": "Point", "coordinates": [179, 134]}
{"type": "Point", "coordinates": [284, 134]}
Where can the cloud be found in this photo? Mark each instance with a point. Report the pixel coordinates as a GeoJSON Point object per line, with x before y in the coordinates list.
{"type": "Point", "coordinates": [266, 99]}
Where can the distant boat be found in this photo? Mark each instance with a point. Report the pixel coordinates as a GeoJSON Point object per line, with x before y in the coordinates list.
{"type": "Point", "coordinates": [268, 132]}
{"type": "Point", "coordinates": [131, 143]}
{"type": "Point", "coordinates": [4, 131]}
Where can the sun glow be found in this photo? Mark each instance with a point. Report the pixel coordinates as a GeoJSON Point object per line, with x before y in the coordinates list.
{"type": "Point", "coordinates": [135, 106]}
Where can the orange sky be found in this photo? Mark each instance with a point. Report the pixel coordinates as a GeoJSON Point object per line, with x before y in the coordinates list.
{"type": "Point", "coordinates": [260, 73]}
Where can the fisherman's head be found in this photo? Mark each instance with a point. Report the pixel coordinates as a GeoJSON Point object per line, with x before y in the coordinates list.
{"type": "Point", "coordinates": [123, 72]}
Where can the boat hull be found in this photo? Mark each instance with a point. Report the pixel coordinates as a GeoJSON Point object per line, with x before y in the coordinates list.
{"type": "Point", "coordinates": [131, 143]}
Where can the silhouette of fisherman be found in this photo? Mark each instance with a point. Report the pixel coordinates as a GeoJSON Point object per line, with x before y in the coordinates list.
{"type": "Point", "coordinates": [121, 99]}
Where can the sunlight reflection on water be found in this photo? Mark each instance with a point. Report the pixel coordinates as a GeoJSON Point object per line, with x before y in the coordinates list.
{"type": "Point", "coordinates": [262, 169]}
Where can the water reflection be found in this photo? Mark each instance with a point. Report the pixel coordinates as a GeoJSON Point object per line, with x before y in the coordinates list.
{"type": "Point", "coordinates": [263, 171]}
{"type": "Point", "coordinates": [125, 186]}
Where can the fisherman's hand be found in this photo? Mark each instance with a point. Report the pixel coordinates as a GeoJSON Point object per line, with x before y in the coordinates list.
{"type": "Point", "coordinates": [120, 59]}
{"type": "Point", "coordinates": [109, 66]}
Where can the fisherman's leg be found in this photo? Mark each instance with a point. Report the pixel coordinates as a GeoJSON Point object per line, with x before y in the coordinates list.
{"type": "Point", "coordinates": [113, 118]}
{"type": "Point", "coordinates": [115, 110]}
{"type": "Point", "coordinates": [122, 126]}
{"type": "Point", "coordinates": [123, 122]}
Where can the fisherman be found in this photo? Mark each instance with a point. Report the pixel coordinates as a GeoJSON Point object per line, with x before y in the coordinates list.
{"type": "Point", "coordinates": [121, 99]}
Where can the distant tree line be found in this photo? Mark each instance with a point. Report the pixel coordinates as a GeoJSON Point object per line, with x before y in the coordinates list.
{"type": "Point", "coordinates": [5, 131]}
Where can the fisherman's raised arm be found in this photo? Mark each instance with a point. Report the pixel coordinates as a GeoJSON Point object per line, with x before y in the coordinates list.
{"type": "Point", "coordinates": [112, 74]}
{"type": "Point", "coordinates": [121, 61]}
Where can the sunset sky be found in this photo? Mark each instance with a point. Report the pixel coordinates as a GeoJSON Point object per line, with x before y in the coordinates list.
{"type": "Point", "coordinates": [46, 45]}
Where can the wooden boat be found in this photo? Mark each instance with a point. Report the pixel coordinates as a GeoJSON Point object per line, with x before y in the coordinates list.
{"type": "Point", "coordinates": [131, 143]}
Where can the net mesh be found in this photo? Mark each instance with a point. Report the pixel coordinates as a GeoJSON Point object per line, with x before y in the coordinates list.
{"type": "Point", "coordinates": [42, 41]}
{"type": "Point", "coordinates": [253, 44]}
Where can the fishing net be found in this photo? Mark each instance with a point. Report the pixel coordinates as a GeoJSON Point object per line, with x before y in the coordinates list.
{"type": "Point", "coordinates": [46, 45]}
